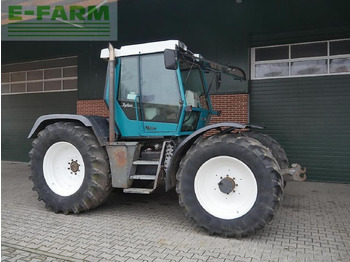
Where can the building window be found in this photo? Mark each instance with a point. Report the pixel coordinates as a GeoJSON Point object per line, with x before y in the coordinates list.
{"type": "Point", "coordinates": [50, 75]}
{"type": "Point", "coordinates": [303, 59]}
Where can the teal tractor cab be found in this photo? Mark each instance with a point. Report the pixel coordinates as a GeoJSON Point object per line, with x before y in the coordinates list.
{"type": "Point", "coordinates": [229, 178]}
{"type": "Point", "coordinates": [161, 89]}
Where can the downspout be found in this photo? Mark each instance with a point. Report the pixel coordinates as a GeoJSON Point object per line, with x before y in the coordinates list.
{"type": "Point", "coordinates": [111, 95]}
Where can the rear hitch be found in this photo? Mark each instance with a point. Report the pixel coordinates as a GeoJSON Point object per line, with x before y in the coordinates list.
{"type": "Point", "coordinates": [295, 173]}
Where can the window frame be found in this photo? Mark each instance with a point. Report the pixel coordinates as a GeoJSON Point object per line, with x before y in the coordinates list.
{"type": "Point", "coordinates": [119, 95]}
{"type": "Point", "coordinates": [129, 114]}
{"type": "Point", "coordinates": [42, 80]}
{"type": "Point", "coordinates": [290, 60]}
{"type": "Point", "coordinates": [141, 103]}
{"type": "Point", "coordinates": [142, 89]}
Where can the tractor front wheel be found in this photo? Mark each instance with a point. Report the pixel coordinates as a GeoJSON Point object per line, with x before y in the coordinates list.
{"type": "Point", "coordinates": [70, 169]}
{"type": "Point", "coordinates": [230, 186]}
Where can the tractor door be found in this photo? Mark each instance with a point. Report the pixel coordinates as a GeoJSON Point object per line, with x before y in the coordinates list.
{"type": "Point", "coordinates": [149, 101]}
{"type": "Point", "coordinates": [160, 96]}
{"type": "Point", "coordinates": [196, 97]}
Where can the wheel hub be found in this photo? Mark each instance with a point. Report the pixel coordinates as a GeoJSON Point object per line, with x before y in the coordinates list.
{"type": "Point", "coordinates": [74, 166]}
{"type": "Point", "coordinates": [227, 185]}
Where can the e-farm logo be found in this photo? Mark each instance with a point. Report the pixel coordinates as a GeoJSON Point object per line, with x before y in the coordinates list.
{"type": "Point", "coordinates": [75, 13]}
{"type": "Point", "coordinates": [62, 22]}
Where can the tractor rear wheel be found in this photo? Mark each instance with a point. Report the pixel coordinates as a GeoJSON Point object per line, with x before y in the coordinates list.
{"type": "Point", "coordinates": [229, 185]}
{"type": "Point", "coordinates": [70, 170]}
{"type": "Point", "coordinates": [276, 149]}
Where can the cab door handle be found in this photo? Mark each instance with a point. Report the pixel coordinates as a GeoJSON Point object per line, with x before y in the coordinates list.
{"type": "Point", "coordinates": [151, 127]}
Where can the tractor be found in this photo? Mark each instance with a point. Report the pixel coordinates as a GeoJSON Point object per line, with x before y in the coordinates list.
{"type": "Point", "coordinates": [229, 178]}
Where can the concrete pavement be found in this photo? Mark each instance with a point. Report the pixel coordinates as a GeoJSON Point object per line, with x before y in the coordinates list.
{"type": "Point", "coordinates": [313, 224]}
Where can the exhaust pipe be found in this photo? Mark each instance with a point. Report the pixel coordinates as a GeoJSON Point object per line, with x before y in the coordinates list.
{"type": "Point", "coordinates": [111, 96]}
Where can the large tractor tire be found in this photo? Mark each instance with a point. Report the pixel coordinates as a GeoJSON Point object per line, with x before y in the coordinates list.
{"type": "Point", "coordinates": [229, 185]}
{"type": "Point", "coordinates": [276, 149]}
{"type": "Point", "coordinates": [70, 170]}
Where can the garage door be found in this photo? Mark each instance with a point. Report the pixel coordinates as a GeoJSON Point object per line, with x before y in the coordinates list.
{"type": "Point", "coordinates": [301, 92]}
{"type": "Point", "coordinates": [310, 117]}
{"type": "Point", "coordinates": [30, 90]}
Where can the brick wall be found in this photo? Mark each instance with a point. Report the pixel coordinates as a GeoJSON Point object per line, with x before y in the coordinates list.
{"type": "Point", "coordinates": [234, 108]}
{"type": "Point", "coordinates": [92, 107]}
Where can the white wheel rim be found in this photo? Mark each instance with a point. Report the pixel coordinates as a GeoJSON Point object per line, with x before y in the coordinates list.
{"type": "Point", "coordinates": [63, 168]}
{"type": "Point", "coordinates": [236, 203]}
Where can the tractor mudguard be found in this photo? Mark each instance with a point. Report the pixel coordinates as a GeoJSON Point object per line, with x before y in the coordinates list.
{"type": "Point", "coordinates": [185, 145]}
{"type": "Point", "coordinates": [98, 124]}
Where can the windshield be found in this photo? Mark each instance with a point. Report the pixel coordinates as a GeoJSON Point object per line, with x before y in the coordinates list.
{"type": "Point", "coordinates": [193, 85]}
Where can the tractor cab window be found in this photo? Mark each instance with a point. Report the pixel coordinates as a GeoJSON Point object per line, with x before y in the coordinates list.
{"type": "Point", "coordinates": [160, 94]}
{"type": "Point", "coordinates": [193, 85]}
{"type": "Point", "coordinates": [194, 93]}
{"type": "Point", "coordinates": [129, 85]}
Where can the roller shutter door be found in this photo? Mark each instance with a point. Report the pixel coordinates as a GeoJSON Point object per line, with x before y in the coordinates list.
{"type": "Point", "coordinates": [310, 117]}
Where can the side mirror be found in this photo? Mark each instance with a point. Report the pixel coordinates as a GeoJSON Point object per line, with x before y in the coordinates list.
{"type": "Point", "coordinates": [170, 59]}
{"type": "Point", "coordinates": [218, 80]}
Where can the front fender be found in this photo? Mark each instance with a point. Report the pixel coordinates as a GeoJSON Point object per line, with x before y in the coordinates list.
{"type": "Point", "coordinates": [183, 147]}
{"type": "Point", "coordinates": [98, 124]}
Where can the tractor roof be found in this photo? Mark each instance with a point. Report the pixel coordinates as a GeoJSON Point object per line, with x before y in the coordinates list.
{"type": "Point", "coordinates": [148, 48]}
{"type": "Point", "coordinates": [155, 47]}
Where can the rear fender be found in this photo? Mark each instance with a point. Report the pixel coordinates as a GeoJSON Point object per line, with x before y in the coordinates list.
{"type": "Point", "coordinates": [98, 124]}
{"type": "Point", "coordinates": [185, 145]}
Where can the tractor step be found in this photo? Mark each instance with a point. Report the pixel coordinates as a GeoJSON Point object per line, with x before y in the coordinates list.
{"type": "Point", "coordinates": [148, 172]}
{"type": "Point", "coordinates": [143, 177]}
{"type": "Point", "coordinates": [150, 155]}
{"type": "Point", "coordinates": [146, 162]}
{"type": "Point", "coordinates": [145, 191]}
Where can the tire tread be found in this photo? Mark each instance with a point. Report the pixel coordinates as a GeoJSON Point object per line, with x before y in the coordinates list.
{"type": "Point", "coordinates": [98, 186]}
{"type": "Point", "coordinates": [218, 226]}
